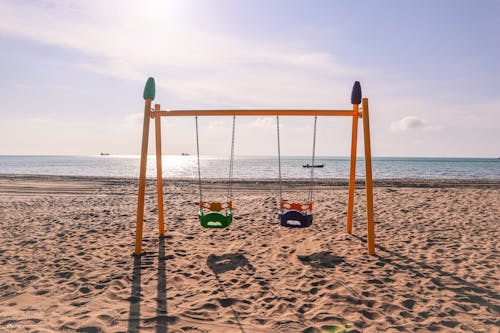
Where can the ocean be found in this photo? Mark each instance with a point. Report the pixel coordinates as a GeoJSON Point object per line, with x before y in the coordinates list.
{"type": "Point", "coordinates": [177, 166]}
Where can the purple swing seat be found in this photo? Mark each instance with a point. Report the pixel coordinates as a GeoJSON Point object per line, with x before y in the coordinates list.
{"type": "Point", "coordinates": [302, 220]}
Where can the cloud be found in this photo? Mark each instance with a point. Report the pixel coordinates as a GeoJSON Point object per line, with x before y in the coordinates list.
{"type": "Point", "coordinates": [264, 123]}
{"type": "Point", "coordinates": [133, 119]}
{"type": "Point", "coordinates": [409, 123]}
{"type": "Point", "coordinates": [22, 85]}
{"type": "Point", "coordinates": [137, 39]}
{"type": "Point", "coordinates": [216, 124]}
{"type": "Point", "coordinates": [41, 120]}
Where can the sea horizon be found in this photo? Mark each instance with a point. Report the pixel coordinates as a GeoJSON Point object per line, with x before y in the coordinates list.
{"type": "Point", "coordinates": [251, 167]}
{"type": "Point", "coordinates": [262, 156]}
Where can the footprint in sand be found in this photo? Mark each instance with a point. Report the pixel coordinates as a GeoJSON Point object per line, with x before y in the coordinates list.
{"type": "Point", "coordinates": [90, 329]}
{"type": "Point", "coordinates": [408, 303]}
{"type": "Point", "coordinates": [321, 260]}
{"type": "Point", "coordinates": [191, 329]}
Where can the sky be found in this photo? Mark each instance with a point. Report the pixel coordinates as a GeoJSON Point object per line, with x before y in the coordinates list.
{"type": "Point", "coordinates": [73, 73]}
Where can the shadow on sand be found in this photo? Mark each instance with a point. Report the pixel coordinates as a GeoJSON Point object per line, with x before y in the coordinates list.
{"type": "Point", "coordinates": [145, 262]}
{"type": "Point", "coordinates": [321, 260]}
{"type": "Point", "coordinates": [225, 263]}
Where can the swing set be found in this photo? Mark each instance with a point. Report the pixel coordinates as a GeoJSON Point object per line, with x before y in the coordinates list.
{"type": "Point", "coordinates": [215, 214]}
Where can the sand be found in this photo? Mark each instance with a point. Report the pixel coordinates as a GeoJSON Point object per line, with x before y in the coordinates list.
{"type": "Point", "coordinates": [66, 263]}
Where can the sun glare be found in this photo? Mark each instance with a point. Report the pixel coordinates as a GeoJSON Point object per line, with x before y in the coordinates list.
{"type": "Point", "coordinates": [161, 11]}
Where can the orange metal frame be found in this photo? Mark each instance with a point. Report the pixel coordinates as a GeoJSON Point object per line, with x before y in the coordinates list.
{"type": "Point", "coordinates": [157, 113]}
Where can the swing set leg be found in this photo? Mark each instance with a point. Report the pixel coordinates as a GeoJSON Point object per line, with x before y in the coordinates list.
{"type": "Point", "coordinates": [142, 179]}
{"type": "Point", "coordinates": [159, 175]}
{"type": "Point", "coordinates": [149, 96]}
{"type": "Point", "coordinates": [352, 173]}
{"type": "Point", "coordinates": [369, 184]}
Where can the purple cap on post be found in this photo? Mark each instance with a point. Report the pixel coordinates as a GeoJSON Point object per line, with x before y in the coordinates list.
{"type": "Point", "coordinates": [356, 93]}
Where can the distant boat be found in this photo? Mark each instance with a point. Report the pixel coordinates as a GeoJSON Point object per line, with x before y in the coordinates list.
{"type": "Point", "coordinates": [313, 166]}
{"type": "Point", "coordinates": [185, 154]}
{"type": "Point", "coordinates": [104, 154]}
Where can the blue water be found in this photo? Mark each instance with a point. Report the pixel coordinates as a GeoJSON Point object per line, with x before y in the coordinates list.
{"type": "Point", "coordinates": [251, 167]}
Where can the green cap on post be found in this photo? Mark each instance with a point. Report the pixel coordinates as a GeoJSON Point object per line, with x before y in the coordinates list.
{"type": "Point", "coordinates": [149, 89]}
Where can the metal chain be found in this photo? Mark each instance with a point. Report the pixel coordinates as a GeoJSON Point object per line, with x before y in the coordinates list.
{"type": "Point", "coordinates": [279, 157]}
{"type": "Point", "coordinates": [198, 155]}
{"type": "Point", "coordinates": [312, 162]}
{"type": "Point", "coordinates": [231, 163]}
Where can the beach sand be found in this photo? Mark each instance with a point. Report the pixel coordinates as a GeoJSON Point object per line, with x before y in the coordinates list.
{"type": "Point", "coordinates": [66, 259]}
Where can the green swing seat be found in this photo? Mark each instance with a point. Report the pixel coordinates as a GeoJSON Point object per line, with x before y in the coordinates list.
{"type": "Point", "coordinates": [214, 218]}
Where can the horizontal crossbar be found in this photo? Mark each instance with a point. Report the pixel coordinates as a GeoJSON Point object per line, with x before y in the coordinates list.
{"type": "Point", "coordinates": [185, 113]}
